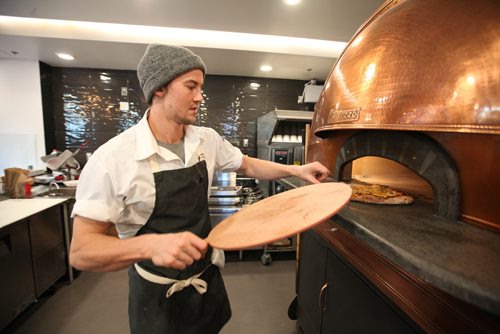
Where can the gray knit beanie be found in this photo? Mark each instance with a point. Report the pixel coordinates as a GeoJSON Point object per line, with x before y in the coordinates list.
{"type": "Point", "coordinates": [163, 63]}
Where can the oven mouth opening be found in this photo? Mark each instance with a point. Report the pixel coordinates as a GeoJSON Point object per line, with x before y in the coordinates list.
{"type": "Point", "coordinates": [373, 170]}
{"type": "Point", "coordinates": [406, 158]}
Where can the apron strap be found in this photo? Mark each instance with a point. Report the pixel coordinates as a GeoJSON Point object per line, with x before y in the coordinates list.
{"type": "Point", "coordinates": [177, 285]}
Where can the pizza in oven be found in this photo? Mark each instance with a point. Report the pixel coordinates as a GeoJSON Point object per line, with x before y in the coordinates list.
{"type": "Point", "coordinates": [378, 194]}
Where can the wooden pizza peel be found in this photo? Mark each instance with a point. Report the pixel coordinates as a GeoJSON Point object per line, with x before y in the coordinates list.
{"type": "Point", "coordinates": [279, 216]}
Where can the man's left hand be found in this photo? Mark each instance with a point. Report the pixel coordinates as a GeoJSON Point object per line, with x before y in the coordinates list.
{"type": "Point", "coordinates": [313, 172]}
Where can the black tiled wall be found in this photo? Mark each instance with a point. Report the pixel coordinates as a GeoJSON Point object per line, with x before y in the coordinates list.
{"type": "Point", "coordinates": [86, 106]}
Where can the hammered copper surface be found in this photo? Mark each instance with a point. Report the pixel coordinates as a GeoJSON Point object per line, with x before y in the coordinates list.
{"type": "Point", "coordinates": [429, 65]}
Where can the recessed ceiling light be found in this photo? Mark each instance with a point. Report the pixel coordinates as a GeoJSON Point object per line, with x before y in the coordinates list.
{"type": "Point", "coordinates": [266, 68]}
{"type": "Point", "coordinates": [254, 85]}
{"type": "Point", "coordinates": [65, 56]}
{"type": "Point", "coordinates": [291, 2]}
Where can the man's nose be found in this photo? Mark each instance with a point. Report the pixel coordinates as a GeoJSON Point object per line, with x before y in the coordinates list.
{"type": "Point", "coordinates": [199, 96]}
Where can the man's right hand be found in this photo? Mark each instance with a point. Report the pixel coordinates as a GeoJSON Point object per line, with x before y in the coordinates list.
{"type": "Point", "coordinates": [177, 250]}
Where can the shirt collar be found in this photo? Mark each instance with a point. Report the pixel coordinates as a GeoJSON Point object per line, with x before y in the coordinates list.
{"type": "Point", "coordinates": [145, 142]}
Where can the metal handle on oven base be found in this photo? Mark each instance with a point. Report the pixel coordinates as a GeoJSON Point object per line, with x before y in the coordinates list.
{"type": "Point", "coordinates": [321, 297]}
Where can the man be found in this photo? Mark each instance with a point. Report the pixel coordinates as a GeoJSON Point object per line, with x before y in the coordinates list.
{"type": "Point", "coordinates": [151, 183]}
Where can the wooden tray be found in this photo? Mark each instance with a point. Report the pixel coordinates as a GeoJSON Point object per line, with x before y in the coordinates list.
{"type": "Point", "coordinates": [280, 216]}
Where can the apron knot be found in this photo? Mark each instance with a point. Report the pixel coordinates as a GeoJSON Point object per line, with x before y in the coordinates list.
{"type": "Point", "coordinates": [199, 284]}
{"type": "Point", "coordinates": [177, 285]}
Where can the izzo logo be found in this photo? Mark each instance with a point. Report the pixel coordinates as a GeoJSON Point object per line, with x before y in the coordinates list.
{"type": "Point", "coordinates": [341, 116]}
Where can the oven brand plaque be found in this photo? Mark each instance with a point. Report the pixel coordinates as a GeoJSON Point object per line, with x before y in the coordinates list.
{"type": "Point", "coordinates": [342, 116]}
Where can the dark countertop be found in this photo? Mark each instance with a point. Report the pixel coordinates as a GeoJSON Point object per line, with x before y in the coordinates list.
{"type": "Point", "coordinates": [456, 257]}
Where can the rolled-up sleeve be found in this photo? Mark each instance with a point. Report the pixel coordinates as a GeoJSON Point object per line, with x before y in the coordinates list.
{"type": "Point", "coordinates": [228, 157]}
{"type": "Point", "coordinates": [96, 196]}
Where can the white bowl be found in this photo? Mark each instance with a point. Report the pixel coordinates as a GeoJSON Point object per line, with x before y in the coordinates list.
{"type": "Point", "coordinates": [71, 184]}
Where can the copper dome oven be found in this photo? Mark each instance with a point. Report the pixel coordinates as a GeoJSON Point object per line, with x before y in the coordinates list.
{"type": "Point", "coordinates": [413, 102]}
{"type": "Point", "coordinates": [419, 84]}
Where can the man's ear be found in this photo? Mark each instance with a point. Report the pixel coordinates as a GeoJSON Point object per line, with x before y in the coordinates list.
{"type": "Point", "coordinates": [160, 92]}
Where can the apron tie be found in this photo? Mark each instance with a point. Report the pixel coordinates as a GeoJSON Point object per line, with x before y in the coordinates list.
{"type": "Point", "coordinates": [199, 284]}
{"type": "Point", "coordinates": [177, 285]}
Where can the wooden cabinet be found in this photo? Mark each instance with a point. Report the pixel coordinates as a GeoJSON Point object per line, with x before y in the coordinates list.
{"type": "Point", "coordinates": [351, 305]}
{"type": "Point", "coordinates": [344, 286]}
{"type": "Point", "coordinates": [311, 280]}
{"type": "Point", "coordinates": [334, 298]}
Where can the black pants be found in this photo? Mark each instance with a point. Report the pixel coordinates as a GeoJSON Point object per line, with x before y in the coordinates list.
{"type": "Point", "coordinates": [185, 312]}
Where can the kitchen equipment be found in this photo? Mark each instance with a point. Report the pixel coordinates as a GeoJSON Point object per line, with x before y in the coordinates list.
{"type": "Point", "coordinates": [58, 161]}
{"type": "Point", "coordinates": [229, 195]}
{"type": "Point", "coordinates": [225, 191]}
{"type": "Point", "coordinates": [53, 154]}
{"type": "Point", "coordinates": [65, 158]}
{"type": "Point", "coordinates": [71, 183]}
{"type": "Point", "coordinates": [278, 133]}
{"type": "Point", "coordinates": [251, 195]}
{"type": "Point", "coordinates": [44, 179]}
{"type": "Point", "coordinates": [279, 216]}
{"type": "Point", "coordinates": [223, 200]}
{"type": "Point", "coordinates": [47, 178]}
{"type": "Point", "coordinates": [224, 179]}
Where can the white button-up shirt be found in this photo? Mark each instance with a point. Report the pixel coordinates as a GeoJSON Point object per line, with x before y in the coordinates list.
{"type": "Point", "coordinates": [117, 183]}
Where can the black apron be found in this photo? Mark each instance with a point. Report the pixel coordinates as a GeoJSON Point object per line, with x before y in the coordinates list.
{"type": "Point", "coordinates": [180, 205]}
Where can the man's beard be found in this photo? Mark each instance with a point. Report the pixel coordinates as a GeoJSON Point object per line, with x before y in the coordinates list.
{"type": "Point", "coordinates": [188, 121]}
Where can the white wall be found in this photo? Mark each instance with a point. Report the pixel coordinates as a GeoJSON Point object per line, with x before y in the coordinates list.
{"type": "Point", "coordinates": [22, 141]}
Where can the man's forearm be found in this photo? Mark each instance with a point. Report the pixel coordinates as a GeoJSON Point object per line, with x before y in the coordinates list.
{"type": "Point", "coordinates": [99, 252]}
{"type": "Point", "coordinates": [266, 170]}
{"type": "Point", "coordinates": [93, 248]}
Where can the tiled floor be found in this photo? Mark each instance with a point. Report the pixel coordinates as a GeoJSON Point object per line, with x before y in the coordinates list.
{"type": "Point", "coordinates": [97, 302]}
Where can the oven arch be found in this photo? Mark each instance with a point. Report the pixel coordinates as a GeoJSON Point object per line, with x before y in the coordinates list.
{"type": "Point", "coordinates": [415, 151]}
